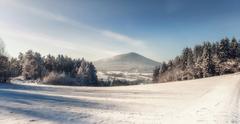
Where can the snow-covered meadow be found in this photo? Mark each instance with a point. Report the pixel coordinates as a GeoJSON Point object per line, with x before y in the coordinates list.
{"type": "Point", "coordinates": [213, 100]}
{"type": "Point", "coordinates": [123, 75]}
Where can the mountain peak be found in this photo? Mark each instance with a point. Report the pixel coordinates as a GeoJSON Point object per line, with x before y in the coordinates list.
{"type": "Point", "coordinates": [132, 53]}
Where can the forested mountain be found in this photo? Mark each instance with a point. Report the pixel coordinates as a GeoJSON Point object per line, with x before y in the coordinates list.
{"type": "Point", "coordinates": [130, 62]}
{"type": "Point", "coordinates": [206, 60]}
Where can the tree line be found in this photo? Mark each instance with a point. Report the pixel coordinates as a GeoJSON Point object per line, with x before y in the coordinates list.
{"type": "Point", "coordinates": [60, 70]}
{"type": "Point", "coordinates": [206, 60]}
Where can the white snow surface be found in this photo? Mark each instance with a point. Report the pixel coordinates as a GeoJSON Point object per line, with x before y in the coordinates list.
{"type": "Point", "coordinates": [214, 100]}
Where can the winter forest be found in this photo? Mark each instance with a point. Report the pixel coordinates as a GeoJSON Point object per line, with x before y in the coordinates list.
{"type": "Point", "coordinates": [206, 60]}
{"type": "Point", "coordinates": [60, 70]}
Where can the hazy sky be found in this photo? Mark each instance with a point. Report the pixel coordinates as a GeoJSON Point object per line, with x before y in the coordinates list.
{"type": "Point", "coordinates": [94, 29]}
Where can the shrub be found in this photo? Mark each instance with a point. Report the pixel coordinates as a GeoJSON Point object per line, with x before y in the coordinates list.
{"type": "Point", "coordinates": [59, 79]}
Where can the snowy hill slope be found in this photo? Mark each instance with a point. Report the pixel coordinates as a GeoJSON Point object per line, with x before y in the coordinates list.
{"type": "Point", "coordinates": [130, 62]}
{"type": "Point", "coordinates": [213, 100]}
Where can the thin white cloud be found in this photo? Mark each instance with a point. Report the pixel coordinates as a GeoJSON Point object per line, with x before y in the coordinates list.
{"type": "Point", "coordinates": [43, 13]}
{"type": "Point", "coordinates": [44, 42]}
{"type": "Point", "coordinates": [105, 33]}
{"type": "Point", "coordinates": [123, 38]}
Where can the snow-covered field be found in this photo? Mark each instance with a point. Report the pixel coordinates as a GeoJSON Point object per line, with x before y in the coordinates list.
{"type": "Point", "coordinates": [121, 75]}
{"type": "Point", "coordinates": [207, 101]}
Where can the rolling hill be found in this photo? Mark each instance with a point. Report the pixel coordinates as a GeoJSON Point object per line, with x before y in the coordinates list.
{"type": "Point", "coordinates": [130, 62]}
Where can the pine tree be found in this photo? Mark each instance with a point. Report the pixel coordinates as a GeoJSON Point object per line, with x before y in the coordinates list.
{"type": "Point", "coordinates": [92, 75]}
{"type": "Point", "coordinates": [224, 49]}
{"type": "Point", "coordinates": [156, 73]}
{"type": "Point", "coordinates": [87, 74]}
{"type": "Point", "coordinates": [238, 50]}
{"type": "Point", "coordinates": [170, 64]}
{"type": "Point", "coordinates": [197, 53]}
{"type": "Point", "coordinates": [233, 48]}
{"type": "Point", "coordinates": [215, 57]}
{"type": "Point", "coordinates": [207, 64]}
{"type": "Point", "coordinates": [4, 64]}
{"type": "Point", "coordinates": [15, 68]}
{"type": "Point", "coordinates": [3, 69]}
{"type": "Point", "coordinates": [190, 61]}
{"type": "Point", "coordinates": [33, 66]}
{"type": "Point", "coordinates": [82, 72]}
{"type": "Point", "coordinates": [184, 58]}
{"type": "Point", "coordinates": [163, 68]}
{"type": "Point", "coordinates": [50, 63]}
{"type": "Point", "coordinates": [177, 62]}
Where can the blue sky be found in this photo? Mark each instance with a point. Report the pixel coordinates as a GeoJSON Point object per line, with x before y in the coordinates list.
{"type": "Point", "coordinates": [94, 29]}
